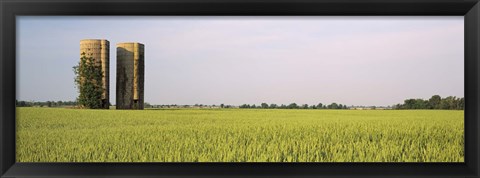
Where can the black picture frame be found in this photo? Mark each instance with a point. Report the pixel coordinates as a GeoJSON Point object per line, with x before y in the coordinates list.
{"type": "Point", "coordinates": [9, 9]}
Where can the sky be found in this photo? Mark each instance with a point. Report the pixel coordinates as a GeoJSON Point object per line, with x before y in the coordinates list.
{"type": "Point", "coordinates": [355, 60]}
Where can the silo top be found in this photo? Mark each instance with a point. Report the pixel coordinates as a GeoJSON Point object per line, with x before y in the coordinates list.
{"type": "Point", "coordinates": [103, 41]}
{"type": "Point", "coordinates": [129, 43]}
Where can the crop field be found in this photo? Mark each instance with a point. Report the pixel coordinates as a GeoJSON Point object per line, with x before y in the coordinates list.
{"type": "Point", "coordinates": [239, 135]}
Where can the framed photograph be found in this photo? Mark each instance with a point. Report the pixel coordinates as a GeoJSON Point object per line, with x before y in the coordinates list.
{"type": "Point", "coordinates": [312, 88]}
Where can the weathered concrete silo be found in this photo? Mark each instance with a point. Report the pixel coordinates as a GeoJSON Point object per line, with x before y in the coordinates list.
{"type": "Point", "coordinates": [99, 50]}
{"type": "Point", "coordinates": [130, 75]}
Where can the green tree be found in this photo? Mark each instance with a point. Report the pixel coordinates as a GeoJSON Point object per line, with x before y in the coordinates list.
{"type": "Point", "coordinates": [420, 104]}
{"type": "Point", "coordinates": [147, 105]}
{"type": "Point", "coordinates": [333, 106]}
{"type": "Point", "coordinates": [448, 103]}
{"type": "Point", "coordinates": [22, 104]}
{"type": "Point", "coordinates": [273, 106]}
{"type": "Point", "coordinates": [461, 103]}
{"type": "Point", "coordinates": [305, 106]}
{"type": "Point", "coordinates": [409, 104]}
{"type": "Point", "coordinates": [292, 106]}
{"type": "Point", "coordinates": [434, 102]}
{"type": "Point", "coordinates": [88, 79]}
{"type": "Point", "coordinates": [320, 106]}
{"type": "Point", "coordinates": [264, 105]}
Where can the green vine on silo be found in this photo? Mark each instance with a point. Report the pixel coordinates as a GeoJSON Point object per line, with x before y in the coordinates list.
{"type": "Point", "coordinates": [88, 81]}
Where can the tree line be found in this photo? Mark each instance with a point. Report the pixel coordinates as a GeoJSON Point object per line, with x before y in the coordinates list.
{"type": "Point", "coordinates": [45, 103]}
{"type": "Point", "coordinates": [253, 106]}
{"type": "Point", "coordinates": [295, 106]}
{"type": "Point", "coordinates": [435, 102]}
{"type": "Point", "coordinates": [148, 105]}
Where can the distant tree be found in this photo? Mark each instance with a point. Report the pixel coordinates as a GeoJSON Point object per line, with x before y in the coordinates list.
{"type": "Point", "coordinates": [420, 104]}
{"type": "Point", "coordinates": [22, 104]}
{"type": "Point", "coordinates": [264, 105]}
{"type": "Point", "coordinates": [434, 102]}
{"type": "Point", "coordinates": [305, 106]}
{"type": "Point", "coordinates": [444, 104]}
{"type": "Point", "coordinates": [409, 104]}
{"type": "Point", "coordinates": [319, 106]}
{"type": "Point", "coordinates": [147, 105]}
{"type": "Point", "coordinates": [333, 106]}
{"type": "Point", "coordinates": [222, 105]}
{"type": "Point", "coordinates": [292, 106]}
{"type": "Point", "coordinates": [273, 106]}
{"type": "Point", "coordinates": [461, 104]}
{"type": "Point", "coordinates": [448, 102]}
{"type": "Point", "coordinates": [88, 79]}
{"type": "Point", "coordinates": [399, 106]}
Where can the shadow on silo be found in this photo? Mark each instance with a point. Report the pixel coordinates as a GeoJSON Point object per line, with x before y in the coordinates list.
{"type": "Point", "coordinates": [124, 87]}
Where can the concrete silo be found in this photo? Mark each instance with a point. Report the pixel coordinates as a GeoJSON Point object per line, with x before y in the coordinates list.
{"type": "Point", "coordinates": [99, 50]}
{"type": "Point", "coordinates": [130, 75]}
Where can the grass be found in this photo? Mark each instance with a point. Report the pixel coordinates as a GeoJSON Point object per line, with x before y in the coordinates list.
{"type": "Point", "coordinates": [239, 135]}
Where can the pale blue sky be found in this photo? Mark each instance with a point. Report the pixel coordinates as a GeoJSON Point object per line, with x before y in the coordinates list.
{"type": "Point", "coordinates": [237, 60]}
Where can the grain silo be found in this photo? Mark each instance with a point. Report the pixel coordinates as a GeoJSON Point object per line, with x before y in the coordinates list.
{"type": "Point", "coordinates": [130, 75]}
{"type": "Point", "coordinates": [99, 50]}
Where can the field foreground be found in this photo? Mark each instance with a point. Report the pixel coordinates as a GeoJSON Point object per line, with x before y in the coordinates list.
{"type": "Point", "coordinates": [239, 135]}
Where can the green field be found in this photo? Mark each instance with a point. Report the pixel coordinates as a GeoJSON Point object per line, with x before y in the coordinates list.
{"type": "Point", "coordinates": [239, 135]}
